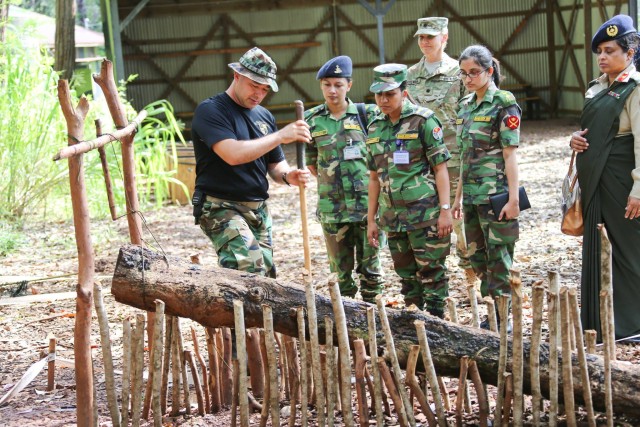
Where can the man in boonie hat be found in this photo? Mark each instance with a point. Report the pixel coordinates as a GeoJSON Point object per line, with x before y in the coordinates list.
{"type": "Point", "coordinates": [236, 144]}
{"type": "Point", "coordinates": [409, 190]}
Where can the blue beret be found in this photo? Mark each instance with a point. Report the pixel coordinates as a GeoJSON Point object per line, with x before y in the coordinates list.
{"type": "Point", "coordinates": [340, 66]}
{"type": "Point", "coordinates": [613, 29]}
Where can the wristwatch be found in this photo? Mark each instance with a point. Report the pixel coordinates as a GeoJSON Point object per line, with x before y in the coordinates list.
{"type": "Point", "coordinates": [446, 206]}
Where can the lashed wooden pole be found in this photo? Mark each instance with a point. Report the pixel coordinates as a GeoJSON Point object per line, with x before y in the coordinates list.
{"type": "Point", "coordinates": [241, 352]}
{"type": "Point", "coordinates": [373, 352]}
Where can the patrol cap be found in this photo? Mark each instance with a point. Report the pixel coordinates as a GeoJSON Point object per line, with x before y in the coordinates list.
{"type": "Point", "coordinates": [340, 66]}
{"type": "Point", "coordinates": [613, 29]}
{"type": "Point", "coordinates": [431, 26]}
{"type": "Point", "coordinates": [258, 66]}
{"type": "Point", "coordinates": [388, 77]}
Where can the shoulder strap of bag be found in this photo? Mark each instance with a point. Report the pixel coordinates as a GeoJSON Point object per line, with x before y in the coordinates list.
{"type": "Point", "coordinates": [575, 178]}
{"type": "Point", "coordinates": [362, 117]}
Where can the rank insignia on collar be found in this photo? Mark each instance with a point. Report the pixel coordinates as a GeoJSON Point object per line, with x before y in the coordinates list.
{"type": "Point", "coordinates": [616, 95]}
{"type": "Point", "coordinates": [482, 119]}
{"type": "Point", "coordinates": [437, 133]}
{"type": "Point", "coordinates": [319, 133]}
{"type": "Point", "coordinates": [513, 122]}
{"type": "Point", "coordinates": [622, 77]}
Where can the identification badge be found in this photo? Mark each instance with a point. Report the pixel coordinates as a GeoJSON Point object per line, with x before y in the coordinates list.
{"type": "Point", "coordinates": [401, 157]}
{"type": "Point", "coordinates": [352, 152]}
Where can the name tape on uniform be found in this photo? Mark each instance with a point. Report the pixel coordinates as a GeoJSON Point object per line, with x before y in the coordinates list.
{"type": "Point", "coordinates": [407, 136]}
{"type": "Point", "coordinates": [482, 119]}
{"type": "Point", "coordinates": [319, 133]}
{"type": "Point", "coordinates": [373, 140]}
{"type": "Point", "coordinates": [352, 127]}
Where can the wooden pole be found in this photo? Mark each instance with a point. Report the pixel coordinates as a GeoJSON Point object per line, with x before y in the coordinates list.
{"type": "Point", "coordinates": [414, 385]}
{"type": "Point", "coordinates": [264, 413]}
{"type": "Point", "coordinates": [256, 370]}
{"type": "Point", "coordinates": [105, 172]}
{"type": "Point", "coordinates": [203, 366]}
{"type": "Point", "coordinates": [293, 367]}
{"type": "Point", "coordinates": [462, 387]}
{"type": "Point", "coordinates": [534, 355]}
{"type": "Point", "coordinates": [158, 332]}
{"type": "Point", "coordinates": [183, 367]}
{"type": "Point", "coordinates": [407, 408]}
{"type": "Point", "coordinates": [190, 359]}
{"type": "Point", "coordinates": [331, 370]}
{"type": "Point", "coordinates": [503, 311]}
{"type": "Point", "coordinates": [75, 118]}
{"type": "Point", "coordinates": [483, 403]}
{"type": "Point", "coordinates": [451, 306]}
{"type": "Point", "coordinates": [166, 363]}
{"type": "Point", "coordinates": [126, 369]}
{"type": "Point", "coordinates": [385, 373]}
{"type": "Point", "coordinates": [473, 300]}
{"type": "Point", "coordinates": [241, 352]}
{"type": "Point", "coordinates": [508, 398]}
{"type": "Point", "coordinates": [590, 336]}
{"type": "Point", "coordinates": [344, 355]}
{"type": "Point", "coordinates": [226, 373]}
{"type": "Point", "coordinates": [176, 368]}
{"type": "Point", "coordinates": [299, 110]}
{"type": "Point", "coordinates": [606, 336]}
{"type": "Point", "coordinates": [360, 363]}
{"type": "Point", "coordinates": [235, 394]}
{"type": "Point", "coordinates": [138, 364]}
{"type": "Point", "coordinates": [552, 308]}
{"type": "Point", "coordinates": [606, 283]}
{"type": "Point", "coordinates": [517, 347]}
{"type": "Point", "coordinates": [304, 372]}
{"type": "Point", "coordinates": [270, 343]}
{"type": "Point", "coordinates": [431, 373]}
{"type": "Point", "coordinates": [51, 367]}
{"type": "Point", "coordinates": [373, 351]}
{"type": "Point", "coordinates": [567, 368]}
{"type": "Point", "coordinates": [491, 313]}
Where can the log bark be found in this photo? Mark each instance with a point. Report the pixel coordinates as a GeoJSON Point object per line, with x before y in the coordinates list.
{"type": "Point", "coordinates": [206, 295]}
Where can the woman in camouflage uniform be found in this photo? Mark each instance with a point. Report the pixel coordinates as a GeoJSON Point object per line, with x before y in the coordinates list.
{"type": "Point", "coordinates": [488, 133]}
{"type": "Point", "coordinates": [409, 188]}
{"type": "Point", "coordinates": [336, 156]}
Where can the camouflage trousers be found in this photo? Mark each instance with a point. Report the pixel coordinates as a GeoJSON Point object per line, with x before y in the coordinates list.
{"type": "Point", "coordinates": [491, 245]}
{"type": "Point", "coordinates": [240, 235]}
{"type": "Point", "coordinates": [419, 259]}
{"type": "Point", "coordinates": [458, 225]}
{"type": "Point", "coordinates": [347, 244]}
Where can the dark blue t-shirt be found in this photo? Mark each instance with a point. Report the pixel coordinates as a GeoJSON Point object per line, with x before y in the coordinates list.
{"type": "Point", "coordinates": [219, 118]}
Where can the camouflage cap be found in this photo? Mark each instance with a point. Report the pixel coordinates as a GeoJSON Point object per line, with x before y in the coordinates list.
{"type": "Point", "coordinates": [431, 26]}
{"type": "Point", "coordinates": [388, 77]}
{"type": "Point", "coordinates": [258, 66]}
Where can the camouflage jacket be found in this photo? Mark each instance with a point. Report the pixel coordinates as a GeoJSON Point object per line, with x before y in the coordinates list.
{"type": "Point", "coordinates": [439, 91]}
{"type": "Point", "coordinates": [408, 197]}
{"type": "Point", "coordinates": [342, 183]}
{"type": "Point", "coordinates": [483, 131]}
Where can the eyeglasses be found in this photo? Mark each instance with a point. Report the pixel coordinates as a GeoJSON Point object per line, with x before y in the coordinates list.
{"type": "Point", "coordinates": [472, 75]}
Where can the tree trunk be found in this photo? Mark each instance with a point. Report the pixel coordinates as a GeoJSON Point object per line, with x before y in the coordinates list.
{"type": "Point", "coordinates": [65, 44]}
{"type": "Point", "coordinates": [4, 16]}
{"type": "Point", "coordinates": [206, 295]}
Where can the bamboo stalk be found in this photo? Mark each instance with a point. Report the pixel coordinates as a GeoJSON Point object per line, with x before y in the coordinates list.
{"type": "Point", "coordinates": [226, 373]}
{"type": "Point", "coordinates": [360, 363]}
{"type": "Point", "coordinates": [517, 363]}
{"type": "Point", "coordinates": [491, 313]}
{"type": "Point", "coordinates": [270, 343]}
{"type": "Point", "coordinates": [483, 403]}
{"type": "Point", "coordinates": [188, 356]}
{"type": "Point", "coordinates": [503, 310]}
{"type": "Point", "coordinates": [331, 370]}
{"type": "Point", "coordinates": [156, 365]}
{"type": "Point", "coordinates": [567, 369]}
{"type": "Point", "coordinates": [582, 357]}
{"type": "Point", "coordinates": [241, 352]}
{"type": "Point", "coordinates": [473, 300]}
{"type": "Point", "coordinates": [534, 355]}
{"type": "Point", "coordinates": [431, 372]}
{"type": "Point", "coordinates": [414, 385]}
{"type": "Point", "coordinates": [176, 367]}
{"type": "Point", "coordinates": [590, 336]}
{"type": "Point", "coordinates": [373, 351]}
{"type": "Point", "coordinates": [395, 366]}
{"type": "Point", "coordinates": [203, 366]}
{"type": "Point", "coordinates": [606, 336]}
{"type": "Point", "coordinates": [294, 376]}
{"type": "Point", "coordinates": [256, 370]}
{"type": "Point", "coordinates": [304, 373]}
{"type": "Point", "coordinates": [183, 369]}
{"type": "Point", "coordinates": [234, 393]}
{"type": "Point", "coordinates": [385, 373]}
{"type": "Point", "coordinates": [462, 387]}
{"type": "Point", "coordinates": [126, 369]}
{"type": "Point", "coordinates": [606, 283]}
{"type": "Point", "coordinates": [138, 357]}
{"type": "Point", "coordinates": [344, 355]}
{"type": "Point", "coordinates": [266, 399]}
{"type": "Point", "coordinates": [105, 344]}
{"type": "Point", "coordinates": [166, 363]}
{"type": "Point", "coordinates": [552, 305]}
{"type": "Point", "coordinates": [508, 398]}
{"type": "Point", "coordinates": [51, 374]}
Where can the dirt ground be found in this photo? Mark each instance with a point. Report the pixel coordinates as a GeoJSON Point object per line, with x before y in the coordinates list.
{"type": "Point", "coordinates": [48, 305]}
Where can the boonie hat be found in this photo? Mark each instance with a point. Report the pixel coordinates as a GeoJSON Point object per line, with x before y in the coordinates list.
{"type": "Point", "coordinates": [340, 66]}
{"type": "Point", "coordinates": [431, 26]}
{"type": "Point", "coordinates": [613, 29]}
{"type": "Point", "coordinates": [388, 77]}
{"type": "Point", "coordinates": [258, 66]}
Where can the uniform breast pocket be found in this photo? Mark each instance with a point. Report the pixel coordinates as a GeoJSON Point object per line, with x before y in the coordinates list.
{"type": "Point", "coordinates": [326, 148]}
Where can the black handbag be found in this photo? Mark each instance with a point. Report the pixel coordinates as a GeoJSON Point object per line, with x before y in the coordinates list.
{"type": "Point", "coordinates": [497, 201]}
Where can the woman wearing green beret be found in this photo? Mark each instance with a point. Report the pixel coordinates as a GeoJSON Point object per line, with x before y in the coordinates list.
{"type": "Point", "coordinates": [608, 164]}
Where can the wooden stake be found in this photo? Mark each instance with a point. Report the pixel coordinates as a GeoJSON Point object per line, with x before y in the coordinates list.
{"type": "Point", "coordinates": [385, 373]}
{"type": "Point", "coordinates": [431, 373]}
{"type": "Point", "coordinates": [503, 311]}
{"type": "Point", "coordinates": [553, 349]}
{"type": "Point", "coordinates": [414, 385]}
{"type": "Point", "coordinates": [444, 392]}
{"type": "Point", "coordinates": [606, 336]}
{"type": "Point", "coordinates": [166, 363]}
{"type": "Point", "coordinates": [234, 394]}
{"type": "Point", "coordinates": [241, 351]}
{"type": "Point", "coordinates": [606, 283]}
{"type": "Point", "coordinates": [344, 355]}
{"type": "Point", "coordinates": [590, 336]}
{"type": "Point", "coordinates": [534, 355]}
{"type": "Point", "coordinates": [264, 413]}
{"type": "Point", "coordinates": [294, 376]}
{"type": "Point", "coordinates": [473, 300]}
{"type": "Point", "coordinates": [155, 364]}
{"type": "Point", "coordinates": [462, 387]}
{"type": "Point", "coordinates": [126, 369]}
{"type": "Point", "coordinates": [582, 357]}
{"type": "Point", "coordinates": [203, 366]}
{"type": "Point", "coordinates": [285, 387]}
{"type": "Point", "coordinates": [138, 364]}
{"type": "Point", "coordinates": [303, 367]}
{"type": "Point", "coordinates": [451, 306]}
{"type": "Point", "coordinates": [373, 351]}
{"type": "Point", "coordinates": [226, 374]}
{"type": "Point", "coordinates": [256, 370]}
{"type": "Point", "coordinates": [567, 369]}
{"type": "Point", "coordinates": [176, 368]}
{"type": "Point", "coordinates": [270, 343]}
{"type": "Point", "coordinates": [483, 403]}
{"type": "Point", "coordinates": [360, 363]}
{"type": "Point", "coordinates": [105, 172]}
{"type": "Point", "coordinates": [331, 370]}
{"type": "Point", "coordinates": [508, 398]}
{"type": "Point", "coordinates": [395, 366]}
{"type": "Point", "coordinates": [491, 313]}
{"type": "Point", "coordinates": [188, 356]}
{"type": "Point", "coordinates": [183, 368]}
{"type": "Point", "coordinates": [51, 370]}
{"type": "Point", "coordinates": [517, 347]}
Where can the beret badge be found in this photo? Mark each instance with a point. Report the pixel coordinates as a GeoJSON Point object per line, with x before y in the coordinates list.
{"type": "Point", "coordinates": [612, 30]}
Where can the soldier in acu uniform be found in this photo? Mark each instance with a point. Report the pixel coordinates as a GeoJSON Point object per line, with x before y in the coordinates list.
{"type": "Point", "coordinates": [409, 188]}
{"type": "Point", "coordinates": [336, 156]}
{"type": "Point", "coordinates": [434, 83]}
{"type": "Point", "coordinates": [488, 135]}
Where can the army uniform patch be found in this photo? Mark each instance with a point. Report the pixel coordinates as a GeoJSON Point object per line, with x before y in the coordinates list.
{"type": "Point", "coordinates": [513, 122]}
{"type": "Point", "coordinates": [623, 77]}
{"type": "Point", "coordinates": [437, 133]}
{"type": "Point", "coordinates": [352, 127]}
{"type": "Point", "coordinates": [485, 119]}
{"type": "Point", "coordinates": [407, 136]}
{"type": "Point", "coordinates": [616, 95]}
{"type": "Point", "coordinates": [459, 121]}
{"type": "Point", "coordinates": [319, 133]}
{"type": "Point", "coordinates": [612, 30]}
{"type": "Point", "coordinates": [373, 140]}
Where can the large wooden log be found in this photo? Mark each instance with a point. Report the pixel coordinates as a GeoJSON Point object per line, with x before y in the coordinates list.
{"type": "Point", "coordinates": [206, 295]}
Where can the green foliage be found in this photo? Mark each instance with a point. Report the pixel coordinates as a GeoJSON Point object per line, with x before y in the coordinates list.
{"type": "Point", "coordinates": [10, 239]}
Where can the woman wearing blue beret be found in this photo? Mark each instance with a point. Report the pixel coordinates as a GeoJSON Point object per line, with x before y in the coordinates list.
{"type": "Point", "coordinates": [608, 164]}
